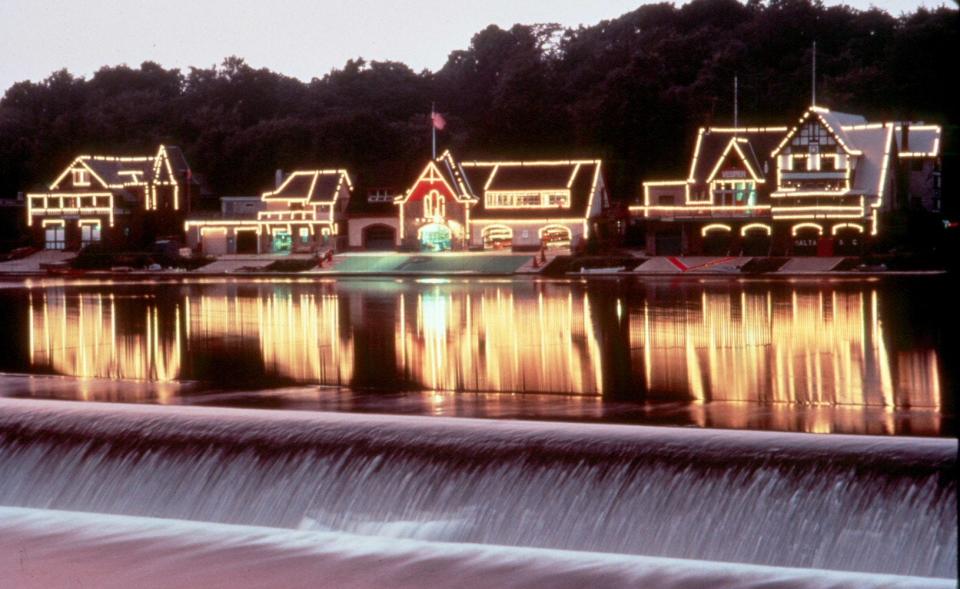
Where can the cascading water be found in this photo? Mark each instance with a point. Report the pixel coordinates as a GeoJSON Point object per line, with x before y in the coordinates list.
{"type": "Point", "coordinates": [872, 505]}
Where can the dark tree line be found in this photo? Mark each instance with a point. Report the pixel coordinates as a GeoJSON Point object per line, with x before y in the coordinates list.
{"type": "Point", "coordinates": [631, 90]}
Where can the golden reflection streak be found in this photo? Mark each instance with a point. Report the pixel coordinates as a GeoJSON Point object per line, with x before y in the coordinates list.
{"type": "Point", "coordinates": [77, 336]}
{"type": "Point", "coordinates": [497, 341]}
{"type": "Point", "coordinates": [298, 336]}
{"type": "Point", "coordinates": [804, 348]}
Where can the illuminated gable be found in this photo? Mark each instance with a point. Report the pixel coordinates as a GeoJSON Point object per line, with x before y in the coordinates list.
{"type": "Point", "coordinates": [432, 179]}
{"type": "Point", "coordinates": [814, 128]}
{"type": "Point", "coordinates": [734, 163]}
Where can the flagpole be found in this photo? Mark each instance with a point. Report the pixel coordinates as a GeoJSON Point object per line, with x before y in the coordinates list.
{"type": "Point", "coordinates": [736, 121]}
{"type": "Point", "coordinates": [813, 77]}
{"type": "Point", "coordinates": [433, 128]}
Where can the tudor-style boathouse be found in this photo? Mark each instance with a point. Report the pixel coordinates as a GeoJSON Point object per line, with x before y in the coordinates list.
{"type": "Point", "coordinates": [123, 202]}
{"type": "Point", "coordinates": [822, 186]}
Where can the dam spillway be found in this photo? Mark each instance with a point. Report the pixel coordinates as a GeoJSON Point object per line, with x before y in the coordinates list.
{"type": "Point", "coordinates": [841, 503]}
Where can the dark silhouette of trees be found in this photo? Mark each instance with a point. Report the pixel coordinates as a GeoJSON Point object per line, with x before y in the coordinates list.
{"type": "Point", "coordinates": [631, 90]}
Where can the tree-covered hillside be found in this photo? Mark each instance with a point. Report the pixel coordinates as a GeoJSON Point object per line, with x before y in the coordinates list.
{"type": "Point", "coordinates": [631, 90]}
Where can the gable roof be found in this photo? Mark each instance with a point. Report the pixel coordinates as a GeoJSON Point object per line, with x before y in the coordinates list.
{"type": "Point", "coordinates": [579, 177]}
{"type": "Point", "coordinates": [742, 149]}
{"type": "Point", "coordinates": [311, 186]}
{"type": "Point", "coordinates": [455, 175]}
{"type": "Point", "coordinates": [833, 122]}
{"type": "Point", "coordinates": [923, 140]}
{"type": "Point", "coordinates": [446, 170]}
{"type": "Point", "coordinates": [839, 121]}
{"type": "Point", "coordinates": [177, 160]}
{"type": "Point", "coordinates": [714, 143]}
{"type": "Point", "coordinates": [119, 172]}
{"type": "Point", "coordinates": [874, 141]}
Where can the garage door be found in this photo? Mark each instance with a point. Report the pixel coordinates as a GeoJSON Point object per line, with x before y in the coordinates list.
{"type": "Point", "coordinates": [379, 237]}
{"type": "Point", "coordinates": [668, 243]}
{"type": "Point", "coordinates": [214, 243]}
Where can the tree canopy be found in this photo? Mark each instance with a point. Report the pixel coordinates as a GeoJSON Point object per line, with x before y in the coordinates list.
{"type": "Point", "coordinates": [631, 90]}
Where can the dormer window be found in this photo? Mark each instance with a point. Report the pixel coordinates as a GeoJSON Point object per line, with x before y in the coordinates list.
{"type": "Point", "coordinates": [380, 195]}
{"type": "Point", "coordinates": [81, 177]}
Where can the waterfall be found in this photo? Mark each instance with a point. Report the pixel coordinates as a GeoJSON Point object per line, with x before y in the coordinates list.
{"type": "Point", "coordinates": [845, 503]}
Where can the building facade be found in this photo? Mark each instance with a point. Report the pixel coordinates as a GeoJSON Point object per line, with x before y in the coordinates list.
{"type": "Point", "coordinates": [305, 213]}
{"type": "Point", "coordinates": [122, 202]}
{"type": "Point", "coordinates": [372, 221]}
{"type": "Point", "coordinates": [500, 204]}
{"type": "Point", "coordinates": [820, 187]}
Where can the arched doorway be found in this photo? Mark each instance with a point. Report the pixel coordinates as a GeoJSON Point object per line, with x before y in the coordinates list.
{"type": "Point", "coordinates": [717, 240]}
{"type": "Point", "coordinates": [435, 237]}
{"type": "Point", "coordinates": [756, 239]}
{"type": "Point", "coordinates": [555, 236]}
{"type": "Point", "coordinates": [379, 237]}
{"type": "Point", "coordinates": [806, 237]}
{"type": "Point", "coordinates": [848, 239]}
{"type": "Point", "coordinates": [497, 237]}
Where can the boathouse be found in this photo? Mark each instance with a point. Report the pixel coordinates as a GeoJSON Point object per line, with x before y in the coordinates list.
{"type": "Point", "coordinates": [820, 187]}
{"type": "Point", "coordinates": [306, 213]}
{"type": "Point", "coordinates": [533, 204]}
{"type": "Point", "coordinates": [500, 204]}
{"type": "Point", "coordinates": [123, 202]}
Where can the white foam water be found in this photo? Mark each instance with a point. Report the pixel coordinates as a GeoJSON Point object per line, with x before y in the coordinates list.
{"type": "Point", "coordinates": [55, 549]}
{"type": "Point", "coordinates": [867, 504]}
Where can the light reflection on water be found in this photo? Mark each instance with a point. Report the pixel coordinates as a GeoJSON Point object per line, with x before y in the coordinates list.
{"type": "Point", "coordinates": [833, 349]}
{"type": "Point", "coordinates": [813, 348]}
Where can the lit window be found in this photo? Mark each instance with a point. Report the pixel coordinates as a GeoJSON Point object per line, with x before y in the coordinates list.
{"type": "Point", "coordinates": [434, 205]}
{"type": "Point", "coordinates": [81, 177]}
{"type": "Point", "coordinates": [89, 233]}
{"type": "Point", "coordinates": [54, 237]}
{"type": "Point", "coordinates": [531, 199]}
{"type": "Point", "coordinates": [813, 162]}
{"type": "Point", "coordinates": [558, 199]}
{"type": "Point", "coordinates": [742, 193]}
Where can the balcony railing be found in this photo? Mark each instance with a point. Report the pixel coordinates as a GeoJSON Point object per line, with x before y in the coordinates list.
{"type": "Point", "coordinates": [287, 216]}
{"type": "Point", "coordinates": [702, 212]}
{"type": "Point", "coordinates": [67, 203]}
{"type": "Point", "coordinates": [806, 175]}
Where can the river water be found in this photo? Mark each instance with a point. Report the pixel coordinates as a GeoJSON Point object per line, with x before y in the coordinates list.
{"type": "Point", "coordinates": [257, 434]}
{"type": "Point", "coordinates": [850, 356]}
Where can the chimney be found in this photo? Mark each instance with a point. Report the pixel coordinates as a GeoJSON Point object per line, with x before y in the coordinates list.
{"type": "Point", "coordinates": [277, 178]}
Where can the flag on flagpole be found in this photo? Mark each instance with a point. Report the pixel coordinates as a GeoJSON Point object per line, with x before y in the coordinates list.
{"type": "Point", "coordinates": [436, 122]}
